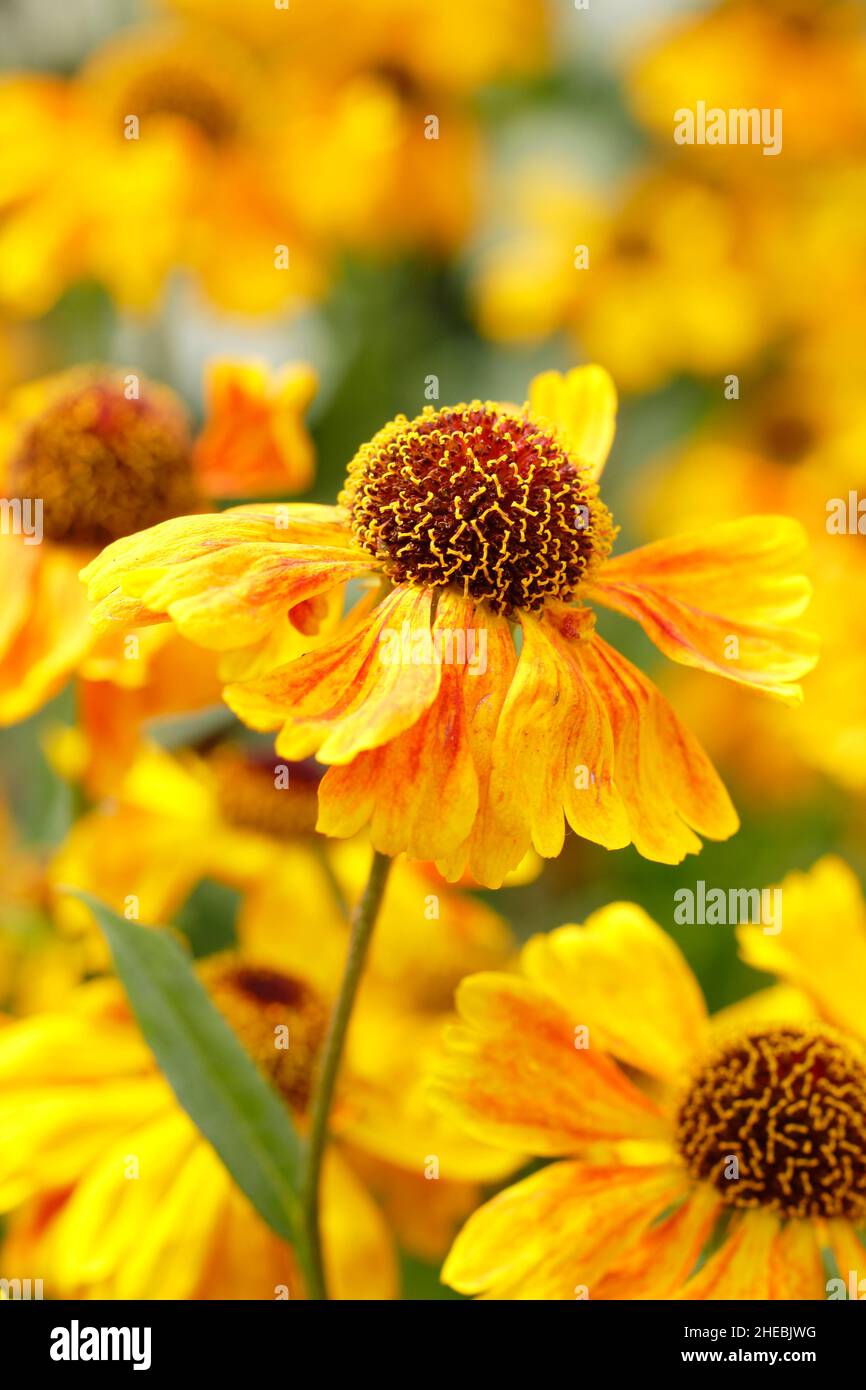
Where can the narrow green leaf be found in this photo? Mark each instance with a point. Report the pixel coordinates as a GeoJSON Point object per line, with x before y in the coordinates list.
{"type": "Point", "coordinates": [213, 1078]}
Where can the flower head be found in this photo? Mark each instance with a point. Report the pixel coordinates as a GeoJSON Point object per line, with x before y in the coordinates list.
{"type": "Point", "coordinates": [447, 734]}
{"type": "Point", "coordinates": [695, 1157]}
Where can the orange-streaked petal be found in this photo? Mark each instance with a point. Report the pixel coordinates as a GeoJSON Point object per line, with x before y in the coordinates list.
{"type": "Point", "coordinates": [666, 1254]}
{"type": "Point", "coordinates": [516, 1076]}
{"type": "Point", "coordinates": [627, 981]}
{"type": "Point", "coordinates": [740, 1269]}
{"type": "Point", "coordinates": [234, 597]}
{"type": "Point", "coordinates": [484, 692]}
{"type": "Point", "coordinates": [821, 946]}
{"type": "Point", "coordinates": [722, 600]}
{"type": "Point", "coordinates": [668, 784]}
{"type": "Point", "coordinates": [349, 695]}
{"type": "Point", "coordinates": [254, 440]}
{"type": "Point", "coordinates": [419, 792]}
{"type": "Point", "coordinates": [555, 1234]}
{"type": "Point", "coordinates": [582, 405]}
{"type": "Point", "coordinates": [796, 1266]}
{"type": "Point", "coordinates": [185, 538]}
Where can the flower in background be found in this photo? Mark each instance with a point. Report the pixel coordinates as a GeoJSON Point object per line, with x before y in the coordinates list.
{"type": "Point", "coordinates": [473, 522]}
{"type": "Point", "coordinates": [695, 1158]}
{"type": "Point", "coordinates": [89, 455]}
{"type": "Point", "coordinates": [218, 818]}
{"type": "Point", "coordinates": [86, 455]}
{"type": "Point", "coordinates": [157, 156]}
{"type": "Point", "coordinates": [790, 55]}
{"type": "Point", "coordinates": [658, 279]}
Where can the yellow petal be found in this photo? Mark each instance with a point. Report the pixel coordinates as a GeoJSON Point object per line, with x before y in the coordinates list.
{"type": "Point", "coordinates": [740, 1269]}
{"type": "Point", "coordinates": [516, 1075]}
{"type": "Point", "coordinates": [627, 981]}
{"type": "Point", "coordinates": [349, 695]}
{"type": "Point", "coordinates": [723, 600]}
{"type": "Point", "coordinates": [582, 406]}
{"type": "Point", "coordinates": [555, 1234]}
{"type": "Point", "coordinates": [821, 948]}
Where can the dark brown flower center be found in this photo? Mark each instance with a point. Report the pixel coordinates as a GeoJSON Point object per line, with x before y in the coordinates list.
{"type": "Point", "coordinates": [109, 455]}
{"type": "Point", "coordinates": [778, 1119]}
{"type": "Point", "coordinates": [267, 797]}
{"type": "Point", "coordinates": [481, 497]}
{"type": "Point", "coordinates": [281, 1021]}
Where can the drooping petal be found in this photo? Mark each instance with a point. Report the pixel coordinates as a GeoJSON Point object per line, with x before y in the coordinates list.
{"type": "Point", "coordinates": [668, 784]}
{"type": "Point", "coordinates": [723, 600]}
{"type": "Point", "coordinates": [489, 845]}
{"type": "Point", "coordinates": [182, 540]}
{"type": "Point", "coordinates": [820, 946]}
{"type": "Point", "coordinates": [516, 1074]}
{"type": "Point", "coordinates": [582, 405]}
{"type": "Point", "coordinates": [419, 792]}
{"type": "Point", "coordinates": [555, 1234]}
{"type": "Point", "coordinates": [626, 980]}
{"type": "Point", "coordinates": [356, 692]}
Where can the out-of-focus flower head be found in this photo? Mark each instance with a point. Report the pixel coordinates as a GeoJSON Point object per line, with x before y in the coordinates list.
{"type": "Point", "coordinates": [157, 156]}
{"type": "Point", "coordinates": [443, 737]}
{"type": "Point", "coordinates": [656, 281]}
{"type": "Point", "coordinates": [224, 816]}
{"type": "Point", "coordinates": [695, 1158]}
{"type": "Point", "coordinates": [90, 454]}
{"type": "Point", "coordinates": [804, 58]}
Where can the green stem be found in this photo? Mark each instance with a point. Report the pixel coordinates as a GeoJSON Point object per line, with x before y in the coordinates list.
{"type": "Point", "coordinates": [363, 921]}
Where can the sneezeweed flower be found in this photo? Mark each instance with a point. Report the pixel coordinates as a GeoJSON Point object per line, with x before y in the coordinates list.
{"type": "Point", "coordinates": [85, 457]}
{"type": "Point", "coordinates": [482, 521]}
{"type": "Point", "coordinates": [85, 454]}
{"type": "Point", "coordinates": [163, 143]}
{"type": "Point", "coordinates": [98, 1235]}
{"type": "Point", "coordinates": [787, 55]}
{"type": "Point", "coordinates": [694, 1158]}
{"type": "Point", "coordinates": [654, 279]}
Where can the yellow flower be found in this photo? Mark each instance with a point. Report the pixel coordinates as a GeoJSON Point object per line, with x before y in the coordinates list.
{"type": "Point", "coordinates": [449, 45]}
{"type": "Point", "coordinates": [158, 154]}
{"type": "Point", "coordinates": [87, 456]}
{"type": "Point", "coordinates": [292, 942]}
{"type": "Point", "coordinates": [696, 1158]}
{"type": "Point", "coordinates": [658, 278]}
{"type": "Point", "coordinates": [790, 55]}
{"type": "Point", "coordinates": [442, 736]}
{"type": "Point", "coordinates": [83, 459]}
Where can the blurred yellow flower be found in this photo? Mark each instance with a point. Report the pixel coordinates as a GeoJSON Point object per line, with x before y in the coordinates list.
{"type": "Point", "coordinates": [600, 1055]}
{"type": "Point", "coordinates": [225, 818]}
{"type": "Point", "coordinates": [806, 59]}
{"type": "Point", "coordinates": [158, 156]}
{"type": "Point", "coordinates": [658, 280]}
{"type": "Point", "coordinates": [84, 455]}
{"type": "Point", "coordinates": [494, 513]}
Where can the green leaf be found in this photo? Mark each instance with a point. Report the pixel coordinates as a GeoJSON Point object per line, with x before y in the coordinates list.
{"type": "Point", "coordinates": [213, 1078]}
